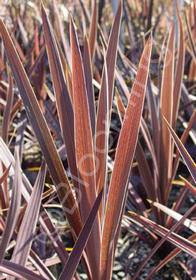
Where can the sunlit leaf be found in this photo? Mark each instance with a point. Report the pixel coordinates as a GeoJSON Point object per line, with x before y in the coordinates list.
{"type": "Point", "coordinates": [64, 104]}
{"type": "Point", "coordinates": [102, 113]}
{"type": "Point", "coordinates": [188, 223]}
{"type": "Point", "coordinates": [93, 30]}
{"type": "Point", "coordinates": [189, 185]}
{"type": "Point", "coordinates": [166, 106]}
{"type": "Point", "coordinates": [184, 153]}
{"type": "Point", "coordinates": [7, 111]}
{"type": "Point", "coordinates": [84, 149]}
{"type": "Point", "coordinates": [25, 234]}
{"type": "Point", "coordinates": [89, 85]}
{"type": "Point", "coordinates": [76, 253]}
{"type": "Point", "coordinates": [13, 209]}
{"type": "Point", "coordinates": [17, 271]}
{"type": "Point", "coordinates": [179, 69]}
{"type": "Point", "coordinates": [42, 132]}
{"type": "Point", "coordinates": [123, 160]}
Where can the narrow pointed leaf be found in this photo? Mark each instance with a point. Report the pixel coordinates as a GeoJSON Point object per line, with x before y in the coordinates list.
{"type": "Point", "coordinates": [13, 209]}
{"type": "Point", "coordinates": [120, 106]}
{"type": "Point", "coordinates": [101, 124]}
{"type": "Point", "coordinates": [165, 237]}
{"type": "Point", "coordinates": [172, 255]}
{"type": "Point", "coordinates": [4, 175]}
{"type": "Point", "coordinates": [177, 240]}
{"type": "Point", "coordinates": [179, 69]}
{"type": "Point", "coordinates": [154, 120]}
{"type": "Point", "coordinates": [4, 197]}
{"type": "Point", "coordinates": [25, 234]}
{"type": "Point", "coordinates": [83, 134]}
{"type": "Point", "coordinates": [189, 185]}
{"type": "Point", "coordinates": [45, 221]}
{"type": "Point", "coordinates": [89, 85]}
{"type": "Point", "coordinates": [42, 133]}
{"type": "Point", "coordinates": [64, 104]}
{"type": "Point", "coordinates": [188, 223]}
{"type": "Point", "coordinates": [84, 149]}
{"type": "Point", "coordinates": [187, 158]}
{"type": "Point", "coordinates": [62, 34]}
{"type": "Point", "coordinates": [93, 30]}
{"type": "Point", "coordinates": [20, 271]}
{"type": "Point", "coordinates": [6, 115]}
{"type": "Point", "coordinates": [123, 159]}
{"type": "Point", "coordinates": [166, 105]}
{"type": "Point", "coordinates": [76, 253]}
{"type": "Point", "coordinates": [183, 139]}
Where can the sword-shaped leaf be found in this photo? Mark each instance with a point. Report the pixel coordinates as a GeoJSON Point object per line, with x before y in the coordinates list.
{"type": "Point", "coordinates": [93, 30]}
{"type": "Point", "coordinates": [166, 105]}
{"type": "Point", "coordinates": [177, 240]}
{"type": "Point", "coordinates": [172, 255]}
{"type": "Point", "coordinates": [78, 248]}
{"type": "Point", "coordinates": [17, 271]}
{"type": "Point", "coordinates": [189, 185]}
{"type": "Point", "coordinates": [123, 160]}
{"type": "Point", "coordinates": [13, 209]}
{"type": "Point", "coordinates": [63, 99]}
{"type": "Point", "coordinates": [42, 132]}
{"type": "Point", "coordinates": [184, 153]}
{"type": "Point", "coordinates": [102, 114]}
{"type": "Point", "coordinates": [25, 234]}
{"type": "Point", "coordinates": [187, 222]}
{"type": "Point", "coordinates": [84, 150]}
{"type": "Point", "coordinates": [7, 111]}
{"type": "Point", "coordinates": [179, 69]}
{"type": "Point", "coordinates": [89, 84]}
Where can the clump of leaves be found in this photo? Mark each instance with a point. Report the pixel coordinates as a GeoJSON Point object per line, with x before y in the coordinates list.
{"type": "Point", "coordinates": [92, 201]}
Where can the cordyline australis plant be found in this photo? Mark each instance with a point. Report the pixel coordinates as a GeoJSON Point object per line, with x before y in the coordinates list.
{"type": "Point", "coordinates": [93, 204]}
{"type": "Point", "coordinates": [85, 134]}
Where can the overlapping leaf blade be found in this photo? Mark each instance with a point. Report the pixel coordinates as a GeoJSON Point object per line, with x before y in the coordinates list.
{"type": "Point", "coordinates": [166, 105]}
{"type": "Point", "coordinates": [123, 160]}
{"type": "Point", "coordinates": [101, 124]}
{"type": "Point", "coordinates": [166, 236]}
{"type": "Point", "coordinates": [6, 115]}
{"type": "Point", "coordinates": [84, 150]}
{"type": "Point", "coordinates": [42, 133]}
{"type": "Point", "coordinates": [17, 270]}
{"type": "Point", "coordinates": [179, 70]}
{"type": "Point", "coordinates": [93, 30]}
{"type": "Point", "coordinates": [188, 223]}
{"type": "Point", "coordinates": [189, 185]}
{"type": "Point", "coordinates": [184, 153]}
{"type": "Point", "coordinates": [76, 253]}
{"type": "Point", "coordinates": [63, 99]}
{"type": "Point", "coordinates": [13, 209]}
{"type": "Point", "coordinates": [24, 237]}
{"type": "Point", "coordinates": [182, 243]}
{"type": "Point", "coordinates": [89, 85]}
{"type": "Point", "coordinates": [172, 255]}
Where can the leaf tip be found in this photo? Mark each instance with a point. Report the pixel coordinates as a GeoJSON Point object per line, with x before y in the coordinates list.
{"type": "Point", "coordinates": [149, 201]}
